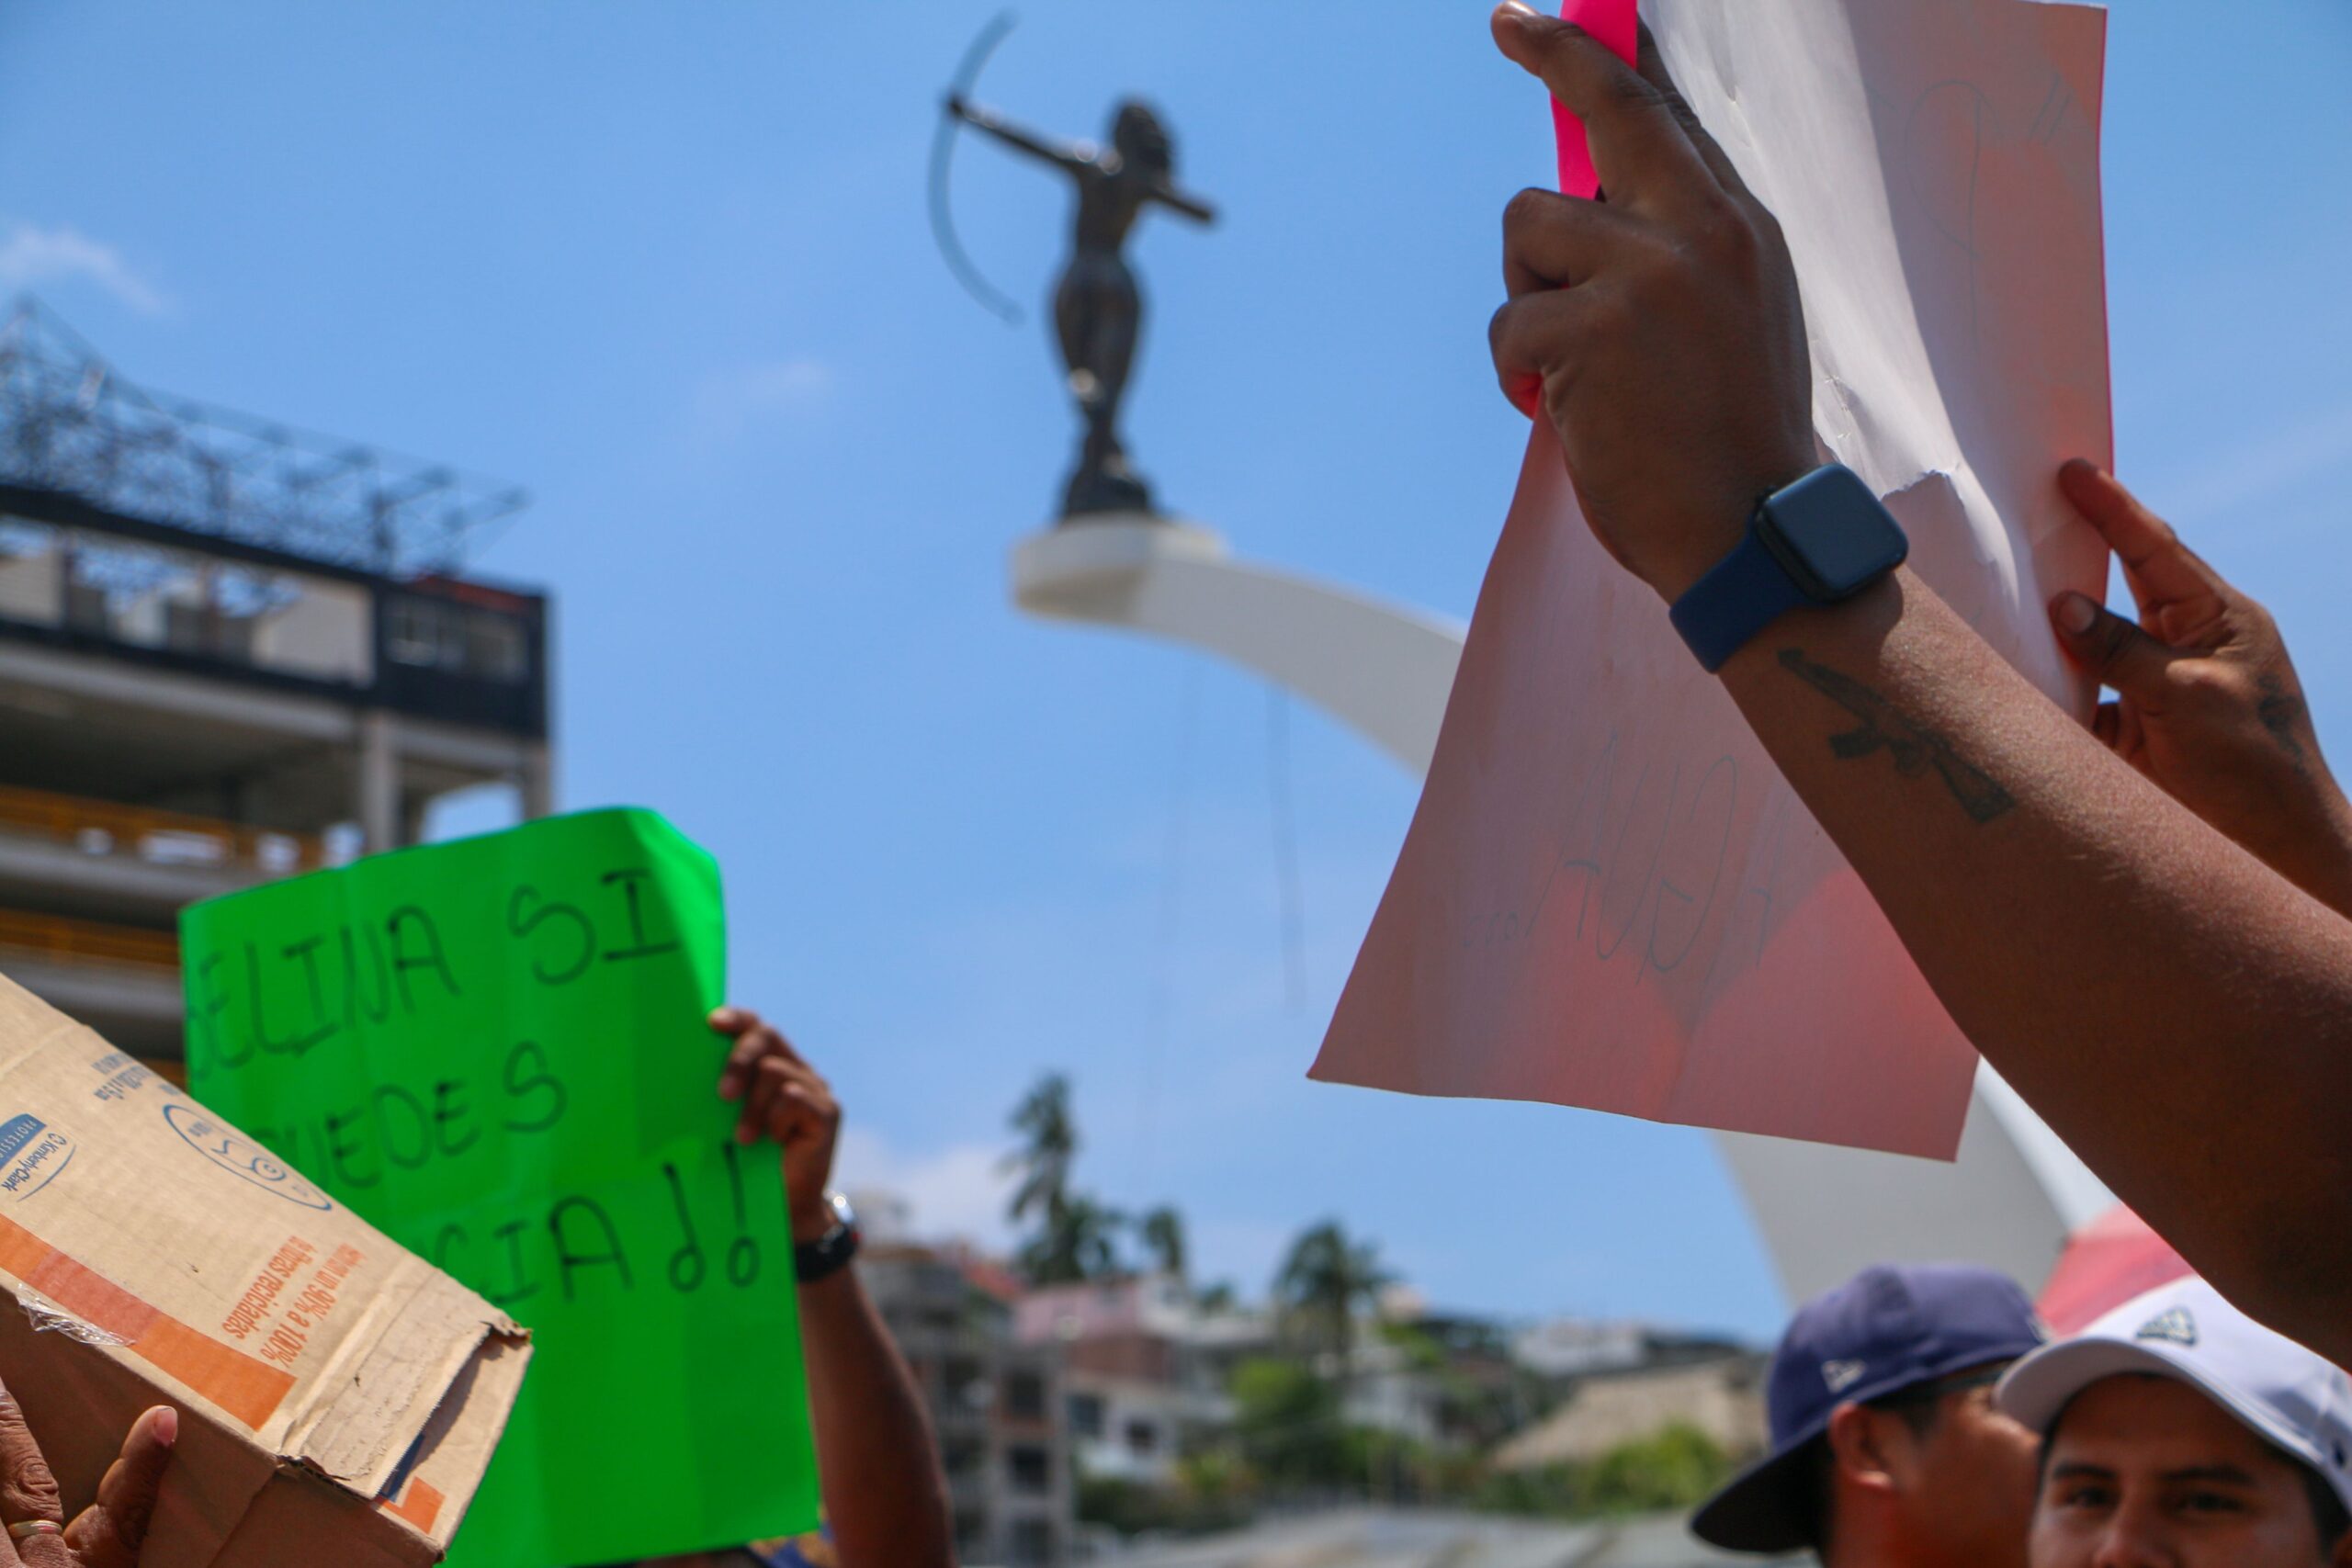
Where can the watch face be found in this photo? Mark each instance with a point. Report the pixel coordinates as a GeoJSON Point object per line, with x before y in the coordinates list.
{"type": "Point", "coordinates": [1832, 534]}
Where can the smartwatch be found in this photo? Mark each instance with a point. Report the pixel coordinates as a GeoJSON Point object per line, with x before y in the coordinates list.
{"type": "Point", "coordinates": [1821, 541]}
{"type": "Point", "coordinates": [830, 1253]}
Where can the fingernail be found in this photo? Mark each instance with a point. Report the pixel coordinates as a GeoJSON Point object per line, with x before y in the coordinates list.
{"type": "Point", "coordinates": [1519, 15]}
{"type": "Point", "coordinates": [167, 1426]}
{"type": "Point", "coordinates": [2075, 613]}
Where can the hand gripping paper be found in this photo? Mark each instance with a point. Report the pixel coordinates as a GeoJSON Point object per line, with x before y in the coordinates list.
{"type": "Point", "coordinates": [1609, 897]}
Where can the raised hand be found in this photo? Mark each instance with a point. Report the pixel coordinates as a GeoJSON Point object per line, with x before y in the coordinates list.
{"type": "Point", "coordinates": [1660, 328]}
{"type": "Point", "coordinates": [2206, 703]}
{"type": "Point", "coordinates": [782, 1098]}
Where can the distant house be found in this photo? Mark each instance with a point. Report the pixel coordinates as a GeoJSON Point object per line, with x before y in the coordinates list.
{"type": "Point", "coordinates": [1606, 1410]}
{"type": "Point", "coordinates": [1144, 1368]}
{"type": "Point", "coordinates": [997, 1405]}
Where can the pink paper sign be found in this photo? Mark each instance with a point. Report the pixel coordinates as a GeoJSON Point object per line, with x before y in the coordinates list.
{"type": "Point", "coordinates": [1617, 24]}
{"type": "Point", "coordinates": [1609, 897]}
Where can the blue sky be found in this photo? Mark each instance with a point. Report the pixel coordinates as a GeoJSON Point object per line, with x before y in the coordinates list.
{"type": "Point", "coordinates": [669, 267]}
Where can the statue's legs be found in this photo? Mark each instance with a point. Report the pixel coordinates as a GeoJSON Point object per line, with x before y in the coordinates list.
{"type": "Point", "coordinates": [1097, 311]}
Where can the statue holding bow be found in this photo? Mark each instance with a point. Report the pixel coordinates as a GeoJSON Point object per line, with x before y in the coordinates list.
{"type": "Point", "coordinates": [1098, 308]}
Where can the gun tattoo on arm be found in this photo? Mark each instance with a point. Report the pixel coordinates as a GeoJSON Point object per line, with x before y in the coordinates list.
{"type": "Point", "coordinates": [1916, 747]}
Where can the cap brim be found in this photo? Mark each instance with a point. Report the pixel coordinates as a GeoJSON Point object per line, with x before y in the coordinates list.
{"type": "Point", "coordinates": [2039, 1388]}
{"type": "Point", "coordinates": [1768, 1507]}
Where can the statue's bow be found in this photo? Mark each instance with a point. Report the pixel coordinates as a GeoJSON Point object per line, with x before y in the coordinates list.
{"type": "Point", "coordinates": [942, 153]}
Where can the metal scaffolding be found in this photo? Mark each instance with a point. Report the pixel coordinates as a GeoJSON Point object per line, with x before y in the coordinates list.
{"type": "Point", "coordinates": [70, 423]}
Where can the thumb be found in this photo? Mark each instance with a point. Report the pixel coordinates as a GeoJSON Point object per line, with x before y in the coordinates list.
{"type": "Point", "coordinates": [110, 1533]}
{"type": "Point", "coordinates": [2115, 651]}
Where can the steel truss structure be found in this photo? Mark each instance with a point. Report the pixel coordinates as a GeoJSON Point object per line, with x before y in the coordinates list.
{"type": "Point", "coordinates": [71, 424]}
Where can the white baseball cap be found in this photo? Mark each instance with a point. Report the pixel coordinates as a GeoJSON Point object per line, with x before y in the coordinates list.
{"type": "Point", "coordinates": [2185, 1331]}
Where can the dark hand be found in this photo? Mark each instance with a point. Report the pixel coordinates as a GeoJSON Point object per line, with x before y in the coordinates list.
{"type": "Point", "coordinates": [110, 1531]}
{"type": "Point", "coordinates": [784, 1099]}
{"type": "Point", "coordinates": [2206, 703]}
{"type": "Point", "coordinates": [1660, 331]}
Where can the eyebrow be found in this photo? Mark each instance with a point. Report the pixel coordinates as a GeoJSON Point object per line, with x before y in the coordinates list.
{"type": "Point", "coordinates": [2226, 1474]}
{"type": "Point", "coordinates": [2077, 1470]}
{"type": "Point", "coordinates": [2229, 1474]}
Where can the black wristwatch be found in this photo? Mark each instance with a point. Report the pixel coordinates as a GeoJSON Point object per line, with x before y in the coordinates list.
{"type": "Point", "coordinates": [830, 1253]}
{"type": "Point", "coordinates": [1821, 541]}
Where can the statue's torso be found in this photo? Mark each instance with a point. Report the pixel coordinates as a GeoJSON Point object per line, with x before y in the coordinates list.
{"type": "Point", "coordinates": [1109, 201]}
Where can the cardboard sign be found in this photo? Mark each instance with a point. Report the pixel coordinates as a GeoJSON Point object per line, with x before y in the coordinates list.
{"type": "Point", "coordinates": [338, 1397]}
{"type": "Point", "coordinates": [496, 1049]}
{"type": "Point", "coordinates": [1609, 897]}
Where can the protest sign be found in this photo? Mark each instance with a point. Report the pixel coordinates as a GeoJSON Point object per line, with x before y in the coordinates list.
{"type": "Point", "coordinates": [1609, 897]}
{"type": "Point", "coordinates": [495, 1051]}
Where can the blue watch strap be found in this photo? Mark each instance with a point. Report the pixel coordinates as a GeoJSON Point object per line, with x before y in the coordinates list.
{"type": "Point", "coordinates": [1742, 594]}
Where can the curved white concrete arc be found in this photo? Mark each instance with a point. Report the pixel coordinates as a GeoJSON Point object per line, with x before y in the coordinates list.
{"type": "Point", "coordinates": [1382, 669]}
{"type": "Point", "coordinates": [2008, 1202]}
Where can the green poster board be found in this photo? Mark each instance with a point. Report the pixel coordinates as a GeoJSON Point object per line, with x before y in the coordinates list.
{"type": "Point", "coordinates": [495, 1052]}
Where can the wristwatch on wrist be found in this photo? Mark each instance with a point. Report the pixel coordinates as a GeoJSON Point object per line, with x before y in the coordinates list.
{"type": "Point", "coordinates": [1822, 540]}
{"type": "Point", "coordinates": [830, 1253]}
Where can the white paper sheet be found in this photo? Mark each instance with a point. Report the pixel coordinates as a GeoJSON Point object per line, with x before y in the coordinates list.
{"type": "Point", "coordinates": [1609, 897]}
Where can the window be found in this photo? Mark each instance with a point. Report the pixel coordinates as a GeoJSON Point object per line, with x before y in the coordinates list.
{"type": "Point", "coordinates": [1025, 1396]}
{"type": "Point", "coordinates": [413, 633]}
{"type": "Point", "coordinates": [495, 649]}
{"type": "Point", "coordinates": [1143, 1438]}
{"type": "Point", "coordinates": [1085, 1415]}
{"type": "Point", "coordinates": [486, 644]}
{"type": "Point", "coordinates": [1031, 1467]}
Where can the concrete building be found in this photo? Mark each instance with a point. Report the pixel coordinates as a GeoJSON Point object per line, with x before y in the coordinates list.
{"type": "Point", "coordinates": [1144, 1369]}
{"type": "Point", "coordinates": [229, 651]}
{"type": "Point", "coordinates": [998, 1405]}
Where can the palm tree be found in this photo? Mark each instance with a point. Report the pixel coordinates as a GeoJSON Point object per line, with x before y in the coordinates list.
{"type": "Point", "coordinates": [1162, 1232]}
{"type": "Point", "coordinates": [1324, 1280]}
{"type": "Point", "coordinates": [1050, 1133]}
{"type": "Point", "coordinates": [1071, 1236]}
{"type": "Point", "coordinates": [1077, 1241]}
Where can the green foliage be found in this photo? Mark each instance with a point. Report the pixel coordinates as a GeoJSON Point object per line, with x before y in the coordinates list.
{"type": "Point", "coordinates": [1323, 1281]}
{"type": "Point", "coordinates": [1049, 1146]}
{"type": "Point", "coordinates": [1286, 1424]}
{"type": "Point", "coordinates": [1212, 1492]}
{"type": "Point", "coordinates": [1077, 1239]}
{"type": "Point", "coordinates": [1218, 1479]}
{"type": "Point", "coordinates": [1162, 1233]}
{"type": "Point", "coordinates": [1677, 1468]}
{"type": "Point", "coordinates": [1068, 1236]}
{"type": "Point", "coordinates": [1422, 1353]}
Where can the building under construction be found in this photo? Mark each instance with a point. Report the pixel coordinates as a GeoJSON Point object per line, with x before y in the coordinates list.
{"type": "Point", "coordinates": [230, 651]}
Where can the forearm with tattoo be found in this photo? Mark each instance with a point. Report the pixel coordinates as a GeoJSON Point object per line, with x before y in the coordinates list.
{"type": "Point", "coordinates": [1916, 747]}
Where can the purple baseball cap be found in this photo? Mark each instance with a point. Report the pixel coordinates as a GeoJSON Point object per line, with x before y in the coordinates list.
{"type": "Point", "coordinates": [1883, 1331]}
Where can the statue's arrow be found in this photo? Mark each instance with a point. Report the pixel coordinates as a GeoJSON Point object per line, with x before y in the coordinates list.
{"type": "Point", "coordinates": [942, 153]}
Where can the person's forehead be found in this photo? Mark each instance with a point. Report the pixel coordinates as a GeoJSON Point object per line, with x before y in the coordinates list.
{"type": "Point", "coordinates": [2143, 1423]}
